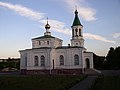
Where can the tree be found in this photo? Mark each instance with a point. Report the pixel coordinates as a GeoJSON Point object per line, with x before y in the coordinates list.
{"type": "Point", "coordinates": [110, 58]}
{"type": "Point", "coordinates": [113, 58]}
{"type": "Point", "coordinates": [98, 61]}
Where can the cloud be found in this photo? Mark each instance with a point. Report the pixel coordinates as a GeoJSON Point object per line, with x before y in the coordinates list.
{"type": "Point", "coordinates": [55, 24]}
{"type": "Point", "coordinates": [97, 37]}
{"type": "Point", "coordinates": [37, 16]}
{"type": "Point", "coordinates": [58, 26]}
{"type": "Point", "coordinates": [23, 11]}
{"type": "Point", "coordinates": [116, 35]}
{"type": "Point", "coordinates": [86, 12]}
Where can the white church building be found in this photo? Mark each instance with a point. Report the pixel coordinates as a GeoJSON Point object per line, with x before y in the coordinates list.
{"type": "Point", "coordinates": [48, 55]}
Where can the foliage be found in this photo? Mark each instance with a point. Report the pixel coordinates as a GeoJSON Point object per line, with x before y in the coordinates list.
{"type": "Point", "coordinates": [111, 61]}
{"type": "Point", "coordinates": [98, 61]}
{"type": "Point", "coordinates": [9, 65]}
{"type": "Point", "coordinates": [38, 82]}
{"type": "Point", "coordinates": [113, 58]}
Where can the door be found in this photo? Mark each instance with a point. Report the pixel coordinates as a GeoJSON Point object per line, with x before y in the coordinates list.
{"type": "Point", "coordinates": [87, 63]}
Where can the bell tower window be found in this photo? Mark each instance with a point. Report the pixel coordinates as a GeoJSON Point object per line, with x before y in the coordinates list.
{"type": "Point", "coordinates": [76, 30]}
{"type": "Point", "coordinates": [73, 32]}
{"type": "Point", "coordinates": [80, 32]}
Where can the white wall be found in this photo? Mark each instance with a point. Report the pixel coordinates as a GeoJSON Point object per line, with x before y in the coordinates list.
{"type": "Point", "coordinates": [53, 42]}
{"type": "Point", "coordinates": [69, 58]}
{"type": "Point", "coordinates": [30, 54]}
{"type": "Point", "coordinates": [54, 54]}
{"type": "Point", "coordinates": [88, 55]}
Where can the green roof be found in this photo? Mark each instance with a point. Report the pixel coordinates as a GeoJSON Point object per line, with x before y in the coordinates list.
{"type": "Point", "coordinates": [45, 36]}
{"type": "Point", "coordinates": [76, 19]}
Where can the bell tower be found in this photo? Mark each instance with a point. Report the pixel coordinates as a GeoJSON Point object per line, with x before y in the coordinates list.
{"type": "Point", "coordinates": [77, 35]}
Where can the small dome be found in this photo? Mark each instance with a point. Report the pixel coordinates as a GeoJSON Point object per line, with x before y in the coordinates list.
{"type": "Point", "coordinates": [47, 26]}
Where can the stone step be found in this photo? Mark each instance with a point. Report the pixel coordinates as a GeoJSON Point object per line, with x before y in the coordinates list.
{"type": "Point", "coordinates": [92, 72]}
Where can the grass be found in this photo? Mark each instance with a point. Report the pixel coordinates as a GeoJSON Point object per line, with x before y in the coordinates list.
{"type": "Point", "coordinates": [107, 83]}
{"type": "Point", "coordinates": [38, 82]}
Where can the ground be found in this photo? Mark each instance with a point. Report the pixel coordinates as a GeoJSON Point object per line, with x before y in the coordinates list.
{"type": "Point", "coordinates": [17, 82]}
{"type": "Point", "coordinates": [108, 80]}
{"type": "Point", "coordinates": [107, 83]}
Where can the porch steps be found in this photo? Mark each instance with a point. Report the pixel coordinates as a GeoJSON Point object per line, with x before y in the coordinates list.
{"type": "Point", "coordinates": [92, 72]}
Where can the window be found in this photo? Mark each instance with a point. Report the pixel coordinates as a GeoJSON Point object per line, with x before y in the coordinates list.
{"type": "Point", "coordinates": [76, 60]}
{"type": "Point", "coordinates": [42, 60]}
{"type": "Point", "coordinates": [33, 44]}
{"type": "Point", "coordinates": [76, 43]}
{"type": "Point", "coordinates": [36, 60]}
{"type": "Point", "coordinates": [61, 60]}
{"type": "Point", "coordinates": [76, 30]}
{"type": "Point", "coordinates": [39, 43]}
{"type": "Point", "coordinates": [80, 32]}
{"type": "Point", "coordinates": [47, 42]}
{"type": "Point", "coordinates": [73, 32]}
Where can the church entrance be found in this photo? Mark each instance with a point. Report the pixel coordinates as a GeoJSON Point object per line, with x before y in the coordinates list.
{"type": "Point", "coordinates": [87, 63]}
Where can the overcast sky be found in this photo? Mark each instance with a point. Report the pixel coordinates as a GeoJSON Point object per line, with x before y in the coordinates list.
{"type": "Point", "coordinates": [22, 20]}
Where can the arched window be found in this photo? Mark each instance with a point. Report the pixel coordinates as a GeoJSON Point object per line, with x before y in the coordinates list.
{"type": "Point", "coordinates": [76, 30]}
{"type": "Point", "coordinates": [76, 60]}
{"type": "Point", "coordinates": [72, 32]}
{"type": "Point", "coordinates": [76, 43]}
{"type": "Point", "coordinates": [42, 60]}
{"type": "Point", "coordinates": [61, 60]}
{"type": "Point", "coordinates": [39, 42]}
{"type": "Point", "coordinates": [48, 42]}
{"type": "Point", "coordinates": [80, 32]}
{"type": "Point", "coordinates": [36, 60]}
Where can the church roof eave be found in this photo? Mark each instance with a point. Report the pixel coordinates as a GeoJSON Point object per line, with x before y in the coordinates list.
{"type": "Point", "coordinates": [66, 47]}
{"type": "Point", "coordinates": [46, 36]}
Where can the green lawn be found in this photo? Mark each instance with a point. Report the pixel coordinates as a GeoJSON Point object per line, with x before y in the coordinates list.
{"type": "Point", "coordinates": [107, 83]}
{"type": "Point", "coordinates": [38, 82]}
